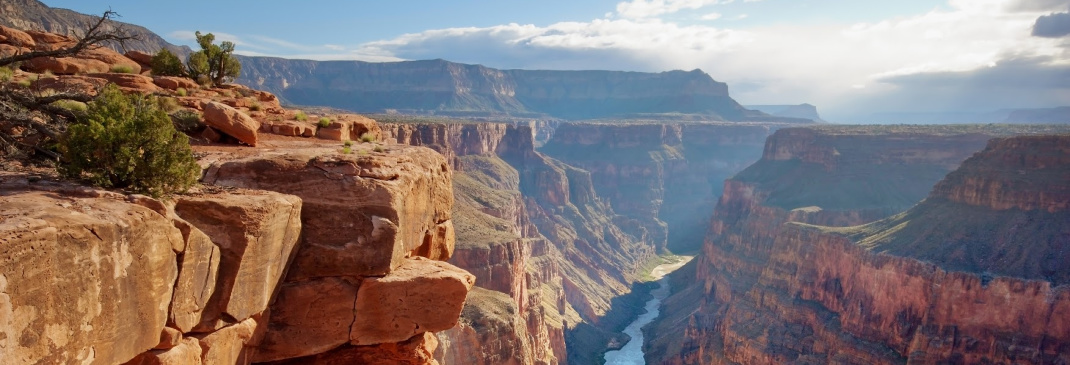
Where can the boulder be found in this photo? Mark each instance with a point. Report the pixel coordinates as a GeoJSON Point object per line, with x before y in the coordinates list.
{"type": "Point", "coordinates": [50, 40]}
{"type": "Point", "coordinates": [233, 344]}
{"type": "Point", "coordinates": [418, 350]}
{"type": "Point", "coordinates": [255, 232]}
{"type": "Point", "coordinates": [363, 214]}
{"type": "Point", "coordinates": [112, 58]}
{"type": "Point", "coordinates": [142, 58]}
{"type": "Point", "coordinates": [420, 296]}
{"type": "Point", "coordinates": [83, 278]}
{"type": "Point", "coordinates": [232, 122]}
{"type": "Point", "coordinates": [175, 83]}
{"type": "Point", "coordinates": [309, 317]}
{"type": "Point", "coordinates": [198, 271]}
{"type": "Point", "coordinates": [336, 131]}
{"type": "Point", "coordinates": [169, 338]}
{"type": "Point", "coordinates": [71, 83]}
{"type": "Point", "coordinates": [140, 83]}
{"type": "Point", "coordinates": [65, 65]}
{"type": "Point", "coordinates": [289, 128]}
{"type": "Point", "coordinates": [16, 37]}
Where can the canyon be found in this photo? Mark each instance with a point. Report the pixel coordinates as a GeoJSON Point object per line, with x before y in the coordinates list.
{"type": "Point", "coordinates": [789, 273]}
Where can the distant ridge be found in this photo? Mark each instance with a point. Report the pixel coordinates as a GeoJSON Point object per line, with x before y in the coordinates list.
{"type": "Point", "coordinates": [440, 87]}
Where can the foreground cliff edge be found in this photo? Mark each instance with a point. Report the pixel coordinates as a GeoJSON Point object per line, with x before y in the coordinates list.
{"type": "Point", "coordinates": [975, 273]}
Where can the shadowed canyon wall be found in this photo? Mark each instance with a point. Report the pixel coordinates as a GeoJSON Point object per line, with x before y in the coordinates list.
{"type": "Point", "coordinates": [770, 292]}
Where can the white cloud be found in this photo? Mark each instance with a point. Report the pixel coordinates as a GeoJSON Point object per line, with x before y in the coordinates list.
{"type": "Point", "coordinates": [711, 16]}
{"type": "Point", "coordinates": [640, 9]}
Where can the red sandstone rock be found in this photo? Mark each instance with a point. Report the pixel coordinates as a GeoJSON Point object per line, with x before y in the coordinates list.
{"type": "Point", "coordinates": [417, 350]}
{"type": "Point", "coordinates": [73, 84]}
{"type": "Point", "coordinates": [308, 318]}
{"type": "Point", "coordinates": [83, 279]}
{"type": "Point", "coordinates": [198, 272]}
{"type": "Point", "coordinates": [186, 353]}
{"type": "Point", "coordinates": [142, 58]}
{"type": "Point", "coordinates": [169, 338]}
{"type": "Point", "coordinates": [65, 65]}
{"type": "Point", "coordinates": [16, 37]}
{"type": "Point", "coordinates": [231, 121]}
{"type": "Point", "coordinates": [419, 296]}
{"type": "Point", "coordinates": [42, 38]}
{"type": "Point", "coordinates": [174, 82]}
{"type": "Point", "coordinates": [233, 344]}
{"type": "Point", "coordinates": [381, 207]}
{"type": "Point", "coordinates": [256, 233]}
{"type": "Point", "coordinates": [142, 84]}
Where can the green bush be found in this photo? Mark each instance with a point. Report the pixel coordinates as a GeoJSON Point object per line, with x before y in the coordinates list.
{"type": "Point", "coordinates": [379, 149]}
{"type": "Point", "coordinates": [74, 106]}
{"type": "Point", "coordinates": [325, 122]}
{"type": "Point", "coordinates": [256, 107]}
{"type": "Point", "coordinates": [122, 69]}
{"type": "Point", "coordinates": [167, 104]}
{"type": "Point", "coordinates": [367, 137]}
{"type": "Point", "coordinates": [165, 63]}
{"type": "Point", "coordinates": [126, 141]}
{"type": "Point", "coordinates": [186, 120]}
{"type": "Point", "coordinates": [25, 83]}
{"type": "Point", "coordinates": [181, 91]}
{"type": "Point", "coordinates": [6, 74]}
{"type": "Point", "coordinates": [215, 62]}
{"type": "Point", "coordinates": [300, 116]}
{"type": "Point", "coordinates": [347, 143]}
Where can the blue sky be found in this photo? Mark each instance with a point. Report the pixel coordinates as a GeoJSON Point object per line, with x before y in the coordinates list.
{"type": "Point", "coordinates": [849, 57]}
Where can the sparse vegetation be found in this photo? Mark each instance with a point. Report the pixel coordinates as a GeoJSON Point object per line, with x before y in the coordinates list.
{"type": "Point", "coordinates": [6, 74]}
{"type": "Point", "coordinates": [256, 107]}
{"type": "Point", "coordinates": [367, 137]}
{"type": "Point", "coordinates": [300, 116]}
{"type": "Point", "coordinates": [122, 69]}
{"type": "Point", "coordinates": [348, 143]}
{"type": "Point", "coordinates": [181, 91]}
{"type": "Point", "coordinates": [214, 64]}
{"type": "Point", "coordinates": [47, 75]}
{"type": "Point", "coordinates": [325, 122]}
{"type": "Point", "coordinates": [186, 120]}
{"type": "Point", "coordinates": [167, 104]}
{"type": "Point", "coordinates": [33, 123]}
{"type": "Point", "coordinates": [379, 149]}
{"type": "Point", "coordinates": [165, 63]}
{"type": "Point", "coordinates": [126, 141]}
{"type": "Point", "coordinates": [74, 106]}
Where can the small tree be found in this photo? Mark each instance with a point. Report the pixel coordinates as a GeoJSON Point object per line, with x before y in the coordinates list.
{"type": "Point", "coordinates": [215, 62]}
{"type": "Point", "coordinates": [127, 141]}
{"type": "Point", "coordinates": [165, 63]}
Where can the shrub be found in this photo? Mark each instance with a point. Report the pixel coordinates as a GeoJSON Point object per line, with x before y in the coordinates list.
{"type": "Point", "coordinates": [128, 142]}
{"type": "Point", "coordinates": [347, 143]}
{"type": "Point", "coordinates": [165, 63]}
{"type": "Point", "coordinates": [74, 106]}
{"type": "Point", "coordinates": [367, 137]}
{"type": "Point", "coordinates": [325, 122]}
{"type": "Point", "coordinates": [256, 107]}
{"type": "Point", "coordinates": [122, 69]}
{"type": "Point", "coordinates": [181, 91]}
{"type": "Point", "coordinates": [347, 150]}
{"type": "Point", "coordinates": [47, 74]}
{"type": "Point", "coordinates": [6, 74]}
{"type": "Point", "coordinates": [24, 83]}
{"type": "Point", "coordinates": [300, 116]}
{"type": "Point", "coordinates": [186, 120]}
{"type": "Point", "coordinates": [379, 149]}
{"type": "Point", "coordinates": [167, 104]}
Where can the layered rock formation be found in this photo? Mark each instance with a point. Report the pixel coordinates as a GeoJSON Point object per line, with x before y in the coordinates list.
{"type": "Point", "coordinates": [805, 111]}
{"type": "Point", "coordinates": [346, 266]}
{"type": "Point", "coordinates": [35, 15]}
{"type": "Point", "coordinates": [551, 255]}
{"type": "Point", "coordinates": [770, 292]}
{"type": "Point", "coordinates": [443, 87]}
{"type": "Point", "coordinates": [665, 176]}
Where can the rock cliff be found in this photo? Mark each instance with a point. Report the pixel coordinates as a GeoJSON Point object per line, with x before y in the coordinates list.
{"type": "Point", "coordinates": [665, 176]}
{"type": "Point", "coordinates": [551, 255]}
{"type": "Point", "coordinates": [770, 292]}
{"type": "Point", "coordinates": [292, 252]}
{"type": "Point", "coordinates": [443, 87]}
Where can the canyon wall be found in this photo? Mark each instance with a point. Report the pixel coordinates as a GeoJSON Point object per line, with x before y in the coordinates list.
{"type": "Point", "coordinates": [665, 176]}
{"type": "Point", "coordinates": [770, 292]}
{"type": "Point", "coordinates": [551, 255]}
{"type": "Point", "coordinates": [447, 88]}
{"type": "Point", "coordinates": [294, 255]}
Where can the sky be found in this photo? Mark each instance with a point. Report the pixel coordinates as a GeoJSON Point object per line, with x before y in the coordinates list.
{"type": "Point", "coordinates": [850, 58]}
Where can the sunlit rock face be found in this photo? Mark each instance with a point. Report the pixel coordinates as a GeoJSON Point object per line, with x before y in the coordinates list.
{"type": "Point", "coordinates": [935, 283]}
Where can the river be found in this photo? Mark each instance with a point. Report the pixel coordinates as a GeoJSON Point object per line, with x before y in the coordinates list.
{"type": "Point", "coordinates": [632, 352]}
